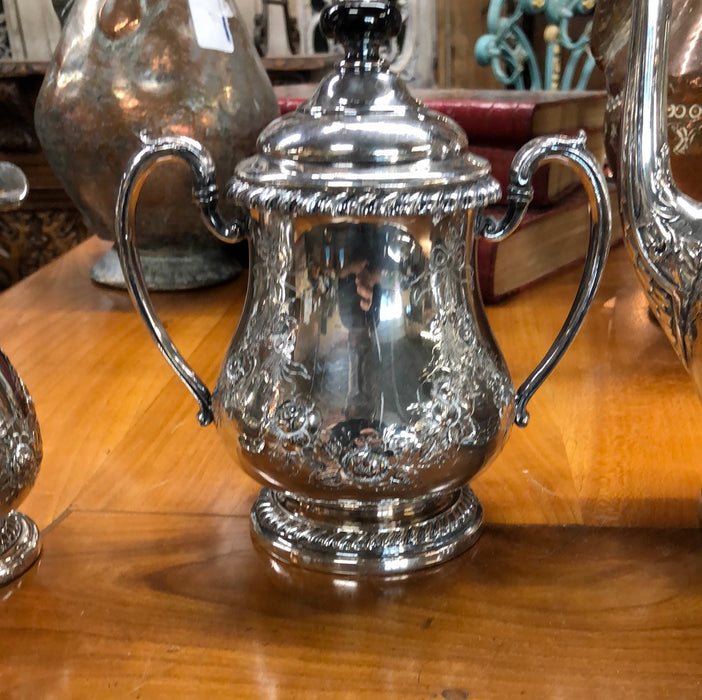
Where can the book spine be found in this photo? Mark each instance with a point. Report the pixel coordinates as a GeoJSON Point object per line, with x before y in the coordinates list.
{"type": "Point", "coordinates": [484, 261]}
{"type": "Point", "coordinates": [508, 123]}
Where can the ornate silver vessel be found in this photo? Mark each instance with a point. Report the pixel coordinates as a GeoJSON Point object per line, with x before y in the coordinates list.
{"type": "Point", "coordinates": [363, 386]}
{"type": "Point", "coordinates": [662, 225]}
{"type": "Point", "coordinates": [20, 440]}
{"type": "Point", "coordinates": [128, 67]}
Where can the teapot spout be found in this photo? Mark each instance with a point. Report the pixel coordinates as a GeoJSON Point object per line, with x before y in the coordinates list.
{"type": "Point", "coordinates": [662, 225]}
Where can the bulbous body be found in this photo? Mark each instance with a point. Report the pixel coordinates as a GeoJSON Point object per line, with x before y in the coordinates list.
{"type": "Point", "coordinates": [134, 68]}
{"type": "Point", "coordinates": [364, 367]}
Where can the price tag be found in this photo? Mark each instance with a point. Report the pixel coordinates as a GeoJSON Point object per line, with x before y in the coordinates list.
{"type": "Point", "coordinates": [211, 26]}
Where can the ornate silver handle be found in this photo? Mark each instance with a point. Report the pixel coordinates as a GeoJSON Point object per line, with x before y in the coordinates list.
{"type": "Point", "coordinates": [206, 195]}
{"type": "Point", "coordinates": [573, 153]}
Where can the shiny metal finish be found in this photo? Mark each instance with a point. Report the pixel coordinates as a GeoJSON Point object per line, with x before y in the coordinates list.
{"type": "Point", "coordinates": [20, 440]}
{"type": "Point", "coordinates": [573, 154]}
{"type": "Point", "coordinates": [611, 43]}
{"type": "Point", "coordinates": [20, 458]}
{"type": "Point", "coordinates": [662, 226]}
{"type": "Point", "coordinates": [363, 387]}
{"type": "Point", "coordinates": [13, 186]}
{"type": "Point", "coordinates": [132, 69]}
{"type": "Point", "coordinates": [20, 546]}
{"type": "Point", "coordinates": [426, 532]}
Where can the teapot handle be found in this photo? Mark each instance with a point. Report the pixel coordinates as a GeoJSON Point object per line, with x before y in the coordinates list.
{"type": "Point", "coordinates": [573, 153]}
{"type": "Point", "coordinates": [206, 195]}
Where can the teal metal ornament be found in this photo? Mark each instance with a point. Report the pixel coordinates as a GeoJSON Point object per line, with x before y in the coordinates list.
{"type": "Point", "coordinates": [509, 52]}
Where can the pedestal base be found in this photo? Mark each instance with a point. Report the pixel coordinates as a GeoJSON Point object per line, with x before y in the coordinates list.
{"type": "Point", "coordinates": [20, 545]}
{"type": "Point", "coordinates": [171, 271]}
{"type": "Point", "coordinates": [387, 538]}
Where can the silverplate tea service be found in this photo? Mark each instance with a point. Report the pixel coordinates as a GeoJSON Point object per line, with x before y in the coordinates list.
{"type": "Point", "coordinates": [363, 387]}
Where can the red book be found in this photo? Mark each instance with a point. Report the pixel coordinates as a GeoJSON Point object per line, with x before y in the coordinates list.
{"type": "Point", "coordinates": [499, 122]}
{"type": "Point", "coordinates": [512, 117]}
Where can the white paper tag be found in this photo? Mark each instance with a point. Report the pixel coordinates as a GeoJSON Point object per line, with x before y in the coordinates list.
{"type": "Point", "coordinates": [211, 26]}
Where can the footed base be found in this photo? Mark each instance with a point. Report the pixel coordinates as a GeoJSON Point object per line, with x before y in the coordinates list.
{"type": "Point", "coordinates": [387, 538]}
{"type": "Point", "coordinates": [20, 545]}
{"type": "Point", "coordinates": [171, 271]}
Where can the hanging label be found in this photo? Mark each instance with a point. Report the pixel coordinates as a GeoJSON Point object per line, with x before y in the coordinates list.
{"type": "Point", "coordinates": [211, 25]}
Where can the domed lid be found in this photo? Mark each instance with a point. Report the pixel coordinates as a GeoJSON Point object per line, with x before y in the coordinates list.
{"type": "Point", "coordinates": [362, 143]}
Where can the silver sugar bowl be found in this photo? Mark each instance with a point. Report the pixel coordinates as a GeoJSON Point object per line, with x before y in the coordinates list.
{"type": "Point", "coordinates": [363, 386]}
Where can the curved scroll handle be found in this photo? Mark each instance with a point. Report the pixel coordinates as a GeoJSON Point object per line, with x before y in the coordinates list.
{"type": "Point", "coordinates": [573, 153]}
{"type": "Point", "coordinates": [206, 195]}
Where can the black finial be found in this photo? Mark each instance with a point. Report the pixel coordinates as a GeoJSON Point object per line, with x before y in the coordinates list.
{"type": "Point", "coordinates": [362, 26]}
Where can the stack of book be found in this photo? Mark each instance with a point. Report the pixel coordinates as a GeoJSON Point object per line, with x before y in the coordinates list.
{"type": "Point", "coordinates": [555, 231]}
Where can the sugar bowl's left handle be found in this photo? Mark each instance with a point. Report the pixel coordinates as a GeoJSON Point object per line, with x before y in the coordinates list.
{"type": "Point", "coordinates": [205, 193]}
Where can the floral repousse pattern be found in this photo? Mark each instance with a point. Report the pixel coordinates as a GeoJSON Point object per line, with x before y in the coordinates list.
{"type": "Point", "coordinates": [463, 397]}
{"type": "Point", "coordinates": [667, 254]}
{"type": "Point", "coordinates": [661, 224]}
{"type": "Point", "coordinates": [20, 440]}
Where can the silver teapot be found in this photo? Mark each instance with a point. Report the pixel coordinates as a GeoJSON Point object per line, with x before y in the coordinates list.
{"type": "Point", "coordinates": [662, 225]}
{"type": "Point", "coordinates": [363, 386]}
{"type": "Point", "coordinates": [20, 439]}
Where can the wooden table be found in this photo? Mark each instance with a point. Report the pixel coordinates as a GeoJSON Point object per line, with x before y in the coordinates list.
{"type": "Point", "coordinates": [587, 581]}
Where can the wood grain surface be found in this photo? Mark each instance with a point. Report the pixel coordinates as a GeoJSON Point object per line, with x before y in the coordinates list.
{"type": "Point", "coordinates": [139, 605]}
{"type": "Point", "coordinates": [586, 583]}
{"type": "Point", "coordinates": [613, 439]}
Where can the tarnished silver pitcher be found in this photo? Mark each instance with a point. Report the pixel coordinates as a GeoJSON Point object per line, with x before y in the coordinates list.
{"type": "Point", "coordinates": [20, 440]}
{"type": "Point", "coordinates": [124, 68]}
{"type": "Point", "coordinates": [363, 386]}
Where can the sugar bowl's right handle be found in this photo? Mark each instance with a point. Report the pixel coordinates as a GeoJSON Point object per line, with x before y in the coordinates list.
{"type": "Point", "coordinates": [573, 153]}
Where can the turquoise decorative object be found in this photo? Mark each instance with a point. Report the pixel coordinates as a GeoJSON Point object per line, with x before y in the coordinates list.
{"type": "Point", "coordinates": [508, 51]}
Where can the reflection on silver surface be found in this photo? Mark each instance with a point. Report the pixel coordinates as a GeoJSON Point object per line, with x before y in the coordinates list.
{"type": "Point", "coordinates": [363, 386]}
{"type": "Point", "coordinates": [20, 439]}
{"type": "Point", "coordinates": [662, 226]}
{"type": "Point", "coordinates": [20, 457]}
{"type": "Point", "coordinates": [363, 368]}
{"type": "Point", "coordinates": [13, 186]}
